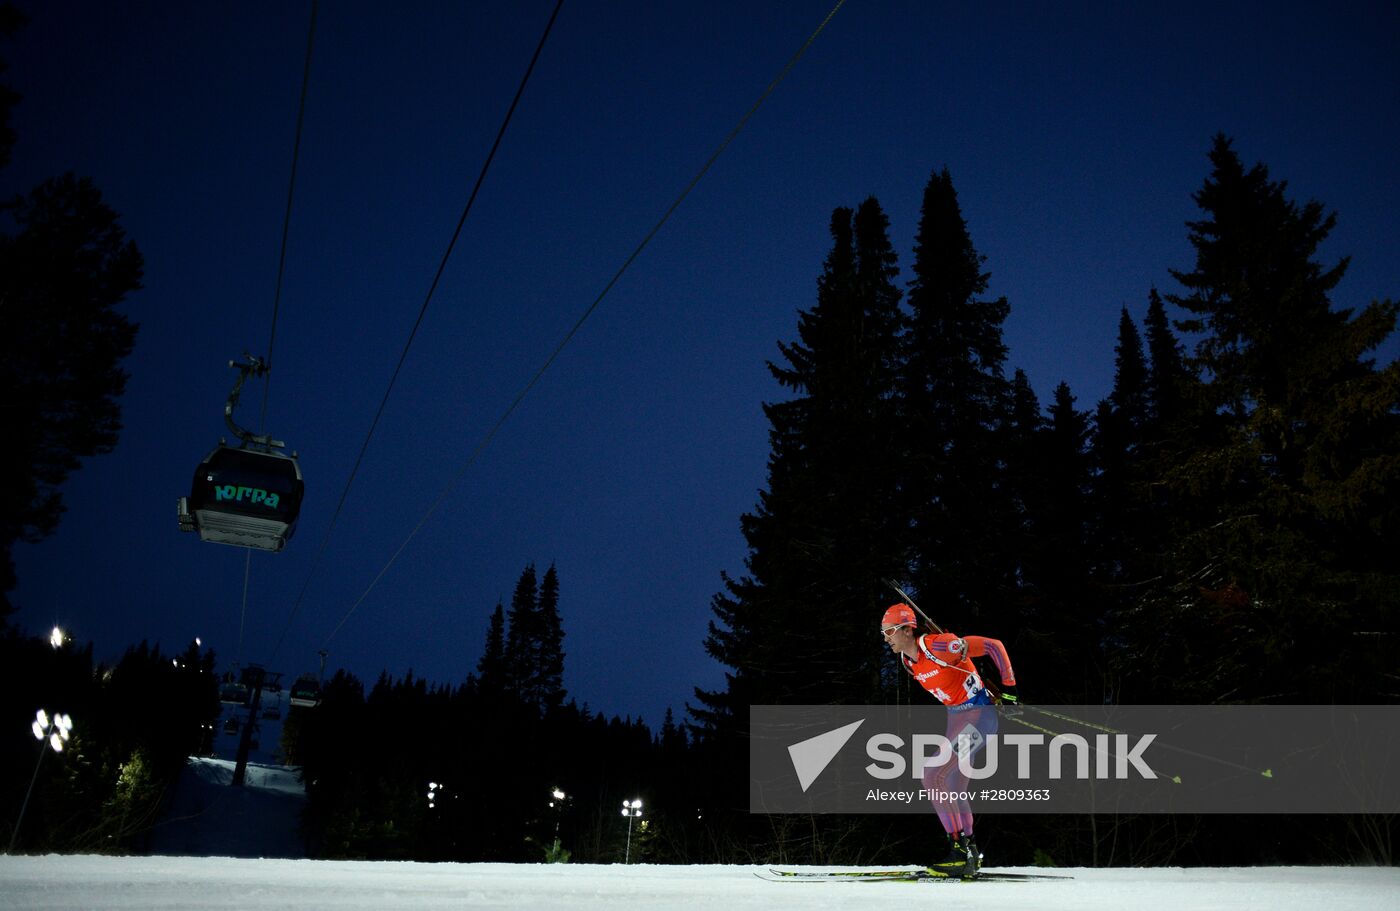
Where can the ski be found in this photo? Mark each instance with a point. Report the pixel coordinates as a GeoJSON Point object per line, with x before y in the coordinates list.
{"type": "Point", "coordinates": [842, 875]}
{"type": "Point", "coordinates": [923, 875]}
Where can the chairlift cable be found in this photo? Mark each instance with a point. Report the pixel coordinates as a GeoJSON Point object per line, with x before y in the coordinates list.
{"type": "Point", "coordinates": [432, 288]}
{"type": "Point", "coordinates": [471, 459]}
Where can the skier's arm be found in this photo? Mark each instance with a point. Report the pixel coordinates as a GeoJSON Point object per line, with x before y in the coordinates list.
{"type": "Point", "coordinates": [979, 646]}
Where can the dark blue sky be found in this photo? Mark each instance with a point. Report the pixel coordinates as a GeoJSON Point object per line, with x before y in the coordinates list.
{"type": "Point", "coordinates": [1075, 134]}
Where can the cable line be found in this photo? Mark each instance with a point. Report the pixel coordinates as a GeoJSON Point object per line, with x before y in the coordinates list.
{"type": "Point", "coordinates": [243, 616]}
{"type": "Point", "coordinates": [471, 459]}
{"type": "Point", "coordinates": [277, 292]}
{"type": "Point", "coordinates": [287, 217]}
{"type": "Point", "coordinates": [403, 355]}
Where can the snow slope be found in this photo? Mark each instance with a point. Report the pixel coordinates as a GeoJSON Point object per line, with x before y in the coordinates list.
{"type": "Point", "coordinates": [119, 883]}
{"type": "Point", "coordinates": [209, 818]}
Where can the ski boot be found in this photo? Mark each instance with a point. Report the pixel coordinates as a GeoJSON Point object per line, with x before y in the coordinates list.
{"type": "Point", "coordinates": [966, 846]}
{"type": "Point", "coordinates": [954, 862]}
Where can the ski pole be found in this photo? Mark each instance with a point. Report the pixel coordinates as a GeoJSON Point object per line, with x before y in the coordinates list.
{"type": "Point", "coordinates": [1266, 773]}
{"type": "Point", "coordinates": [1088, 724]}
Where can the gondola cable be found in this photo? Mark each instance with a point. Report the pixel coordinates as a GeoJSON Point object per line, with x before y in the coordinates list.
{"type": "Point", "coordinates": [403, 355]}
{"type": "Point", "coordinates": [277, 291]}
{"type": "Point", "coordinates": [471, 459]}
{"type": "Point", "coordinates": [287, 215]}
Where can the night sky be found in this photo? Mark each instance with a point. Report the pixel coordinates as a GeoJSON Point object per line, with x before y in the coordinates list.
{"type": "Point", "coordinates": [1075, 135]}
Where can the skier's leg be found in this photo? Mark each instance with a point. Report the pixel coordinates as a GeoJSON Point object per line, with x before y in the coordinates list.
{"type": "Point", "coordinates": [968, 732]}
{"type": "Point", "coordinates": [935, 783]}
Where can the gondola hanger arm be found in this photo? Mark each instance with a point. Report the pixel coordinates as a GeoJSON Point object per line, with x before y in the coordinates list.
{"type": "Point", "coordinates": [257, 368]}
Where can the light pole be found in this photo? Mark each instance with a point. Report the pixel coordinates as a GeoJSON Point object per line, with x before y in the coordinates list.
{"type": "Point", "coordinates": [435, 790]}
{"type": "Point", "coordinates": [56, 731]}
{"type": "Point", "coordinates": [555, 853]}
{"type": "Point", "coordinates": [631, 809]}
{"type": "Point", "coordinates": [557, 805]}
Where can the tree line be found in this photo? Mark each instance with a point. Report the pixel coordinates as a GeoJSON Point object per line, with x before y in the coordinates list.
{"type": "Point", "coordinates": [134, 723]}
{"type": "Point", "coordinates": [414, 770]}
{"type": "Point", "coordinates": [404, 769]}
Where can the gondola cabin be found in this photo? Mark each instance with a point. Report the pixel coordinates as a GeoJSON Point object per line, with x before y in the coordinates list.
{"type": "Point", "coordinates": [305, 693]}
{"type": "Point", "coordinates": [244, 497]}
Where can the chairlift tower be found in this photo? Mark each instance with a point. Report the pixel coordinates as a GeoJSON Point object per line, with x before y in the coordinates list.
{"type": "Point", "coordinates": [254, 677]}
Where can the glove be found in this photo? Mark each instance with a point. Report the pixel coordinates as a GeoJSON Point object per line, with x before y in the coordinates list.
{"type": "Point", "coordinates": [1009, 700]}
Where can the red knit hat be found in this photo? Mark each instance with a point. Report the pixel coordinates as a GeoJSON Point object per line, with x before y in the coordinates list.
{"type": "Point", "coordinates": [897, 615]}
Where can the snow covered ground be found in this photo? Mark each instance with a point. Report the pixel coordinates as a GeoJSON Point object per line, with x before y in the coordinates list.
{"type": "Point", "coordinates": [87, 882]}
{"type": "Point", "coordinates": [208, 818]}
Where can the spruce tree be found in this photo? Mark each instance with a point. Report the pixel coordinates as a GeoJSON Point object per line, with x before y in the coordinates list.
{"type": "Point", "coordinates": [799, 626]}
{"type": "Point", "coordinates": [956, 402]}
{"type": "Point", "coordinates": [1120, 424]}
{"type": "Point", "coordinates": [522, 627]}
{"type": "Point", "coordinates": [1175, 426]}
{"type": "Point", "coordinates": [63, 274]}
{"type": "Point", "coordinates": [534, 642]}
{"type": "Point", "coordinates": [1259, 299]}
{"type": "Point", "coordinates": [62, 341]}
{"type": "Point", "coordinates": [1280, 510]}
{"type": "Point", "coordinates": [1024, 481]}
{"type": "Point", "coordinates": [1169, 383]}
{"type": "Point", "coordinates": [1130, 387]}
{"type": "Point", "coordinates": [1025, 407]}
{"type": "Point", "coordinates": [1066, 456]}
{"type": "Point", "coordinates": [548, 677]}
{"type": "Point", "coordinates": [493, 671]}
{"type": "Point", "coordinates": [1062, 574]}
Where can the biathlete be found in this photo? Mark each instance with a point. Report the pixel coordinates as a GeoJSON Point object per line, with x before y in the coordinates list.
{"type": "Point", "coordinates": [942, 664]}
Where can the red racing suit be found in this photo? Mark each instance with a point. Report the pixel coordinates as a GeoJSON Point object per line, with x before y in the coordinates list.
{"type": "Point", "coordinates": [944, 667]}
